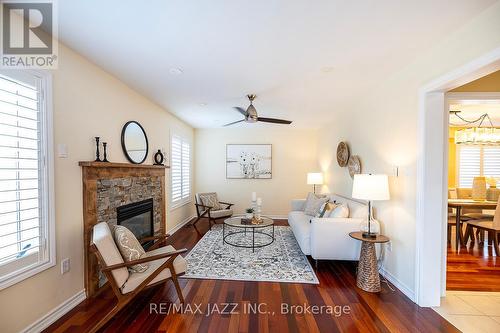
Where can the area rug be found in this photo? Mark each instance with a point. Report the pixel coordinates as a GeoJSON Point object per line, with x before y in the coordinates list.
{"type": "Point", "coordinates": [282, 261]}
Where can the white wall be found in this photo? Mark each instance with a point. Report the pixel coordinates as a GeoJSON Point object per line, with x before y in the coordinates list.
{"type": "Point", "coordinates": [294, 154]}
{"type": "Point", "coordinates": [381, 126]}
{"type": "Point", "coordinates": [88, 102]}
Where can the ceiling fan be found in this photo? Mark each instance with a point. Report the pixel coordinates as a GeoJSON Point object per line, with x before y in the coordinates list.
{"type": "Point", "coordinates": [251, 116]}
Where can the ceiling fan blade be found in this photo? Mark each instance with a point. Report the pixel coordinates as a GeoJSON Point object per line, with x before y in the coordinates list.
{"type": "Point", "coordinates": [274, 120]}
{"type": "Point", "coordinates": [234, 122]}
{"type": "Point", "coordinates": [241, 110]}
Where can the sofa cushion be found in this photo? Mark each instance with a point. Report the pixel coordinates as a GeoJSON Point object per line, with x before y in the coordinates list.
{"type": "Point", "coordinates": [314, 203]}
{"type": "Point", "coordinates": [103, 240]}
{"type": "Point", "coordinates": [129, 247]}
{"type": "Point", "coordinates": [135, 279]}
{"type": "Point", "coordinates": [300, 224]}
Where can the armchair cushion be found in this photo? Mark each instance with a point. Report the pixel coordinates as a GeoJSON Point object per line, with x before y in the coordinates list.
{"type": "Point", "coordinates": [210, 199]}
{"type": "Point", "coordinates": [135, 278]}
{"type": "Point", "coordinates": [129, 247]}
{"type": "Point", "coordinates": [103, 240]}
{"type": "Point", "coordinates": [221, 213]}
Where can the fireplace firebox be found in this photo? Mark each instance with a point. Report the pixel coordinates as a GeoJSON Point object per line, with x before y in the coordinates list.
{"type": "Point", "coordinates": [138, 218]}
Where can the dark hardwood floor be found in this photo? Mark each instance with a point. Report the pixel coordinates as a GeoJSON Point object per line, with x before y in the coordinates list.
{"type": "Point", "coordinates": [387, 311]}
{"type": "Point", "coordinates": [473, 268]}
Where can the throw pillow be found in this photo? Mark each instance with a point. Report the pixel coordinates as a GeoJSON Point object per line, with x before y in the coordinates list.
{"type": "Point", "coordinates": [314, 203]}
{"type": "Point", "coordinates": [342, 210]}
{"type": "Point", "coordinates": [321, 210]}
{"type": "Point", "coordinates": [210, 200]}
{"type": "Point", "coordinates": [328, 208]}
{"type": "Point", "coordinates": [130, 248]}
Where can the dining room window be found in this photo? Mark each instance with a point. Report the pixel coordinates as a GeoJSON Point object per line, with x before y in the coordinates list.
{"type": "Point", "coordinates": [475, 160]}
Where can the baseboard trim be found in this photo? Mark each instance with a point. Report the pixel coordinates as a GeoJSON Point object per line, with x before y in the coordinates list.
{"type": "Point", "coordinates": [56, 313]}
{"type": "Point", "coordinates": [278, 217]}
{"type": "Point", "coordinates": [180, 225]}
{"type": "Point", "coordinates": [398, 284]}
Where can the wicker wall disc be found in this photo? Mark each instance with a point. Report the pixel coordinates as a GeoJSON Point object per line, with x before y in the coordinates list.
{"type": "Point", "coordinates": [342, 154]}
{"type": "Point", "coordinates": [354, 165]}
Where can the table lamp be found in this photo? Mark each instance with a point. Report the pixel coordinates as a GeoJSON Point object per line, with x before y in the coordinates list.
{"type": "Point", "coordinates": [370, 187]}
{"type": "Point", "coordinates": [314, 178]}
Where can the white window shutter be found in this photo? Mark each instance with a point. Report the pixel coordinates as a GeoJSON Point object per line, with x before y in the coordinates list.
{"type": "Point", "coordinates": [469, 165]}
{"type": "Point", "coordinates": [180, 169]}
{"type": "Point", "coordinates": [23, 220]}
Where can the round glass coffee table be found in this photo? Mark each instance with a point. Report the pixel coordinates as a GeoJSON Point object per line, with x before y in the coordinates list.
{"type": "Point", "coordinates": [233, 227]}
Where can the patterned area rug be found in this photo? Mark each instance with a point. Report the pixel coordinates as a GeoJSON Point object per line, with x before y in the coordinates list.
{"type": "Point", "coordinates": [282, 261]}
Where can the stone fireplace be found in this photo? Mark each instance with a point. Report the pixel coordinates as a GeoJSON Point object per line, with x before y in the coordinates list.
{"type": "Point", "coordinates": [118, 193]}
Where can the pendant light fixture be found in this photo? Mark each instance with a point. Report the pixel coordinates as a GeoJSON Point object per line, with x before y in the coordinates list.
{"type": "Point", "coordinates": [477, 135]}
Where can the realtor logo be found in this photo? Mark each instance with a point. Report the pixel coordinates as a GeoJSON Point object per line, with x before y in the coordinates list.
{"type": "Point", "coordinates": [28, 34]}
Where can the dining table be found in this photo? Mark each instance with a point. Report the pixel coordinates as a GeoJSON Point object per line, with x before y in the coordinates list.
{"type": "Point", "coordinates": [459, 204]}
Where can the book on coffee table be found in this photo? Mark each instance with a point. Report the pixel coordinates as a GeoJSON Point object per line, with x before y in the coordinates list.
{"type": "Point", "coordinates": [246, 221]}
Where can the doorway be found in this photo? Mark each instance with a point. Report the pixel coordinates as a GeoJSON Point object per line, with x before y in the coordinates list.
{"type": "Point", "coordinates": [432, 169]}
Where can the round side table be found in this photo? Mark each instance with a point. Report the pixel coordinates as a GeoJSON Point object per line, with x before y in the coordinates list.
{"type": "Point", "coordinates": [367, 277]}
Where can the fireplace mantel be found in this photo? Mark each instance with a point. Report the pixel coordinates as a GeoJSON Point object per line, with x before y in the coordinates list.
{"type": "Point", "coordinates": [139, 180]}
{"type": "Point", "coordinates": [92, 164]}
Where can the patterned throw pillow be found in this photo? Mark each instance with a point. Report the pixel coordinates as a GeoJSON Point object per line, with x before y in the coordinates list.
{"type": "Point", "coordinates": [210, 200]}
{"type": "Point", "coordinates": [327, 209]}
{"type": "Point", "coordinates": [314, 203]}
{"type": "Point", "coordinates": [130, 248]}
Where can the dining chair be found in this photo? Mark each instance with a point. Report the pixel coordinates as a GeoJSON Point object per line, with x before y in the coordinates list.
{"type": "Point", "coordinates": [490, 226]}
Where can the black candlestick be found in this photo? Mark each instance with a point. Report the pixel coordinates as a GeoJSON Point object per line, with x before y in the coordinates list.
{"type": "Point", "coordinates": [104, 144]}
{"type": "Point", "coordinates": [97, 157]}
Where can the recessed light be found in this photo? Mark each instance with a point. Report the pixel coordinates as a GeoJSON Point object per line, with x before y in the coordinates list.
{"type": "Point", "coordinates": [175, 71]}
{"type": "Point", "coordinates": [202, 104]}
{"type": "Point", "coordinates": [327, 69]}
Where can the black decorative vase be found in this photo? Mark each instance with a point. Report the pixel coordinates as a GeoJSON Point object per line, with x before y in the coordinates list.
{"type": "Point", "coordinates": [104, 144]}
{"type": "Point", "coordinates": [158, 158]}
{"type": "Point", "coordinates": [97, 157]}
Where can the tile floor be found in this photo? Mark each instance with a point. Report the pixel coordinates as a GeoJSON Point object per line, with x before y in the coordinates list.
{"type": "Point", "coordinates": [471, 311]}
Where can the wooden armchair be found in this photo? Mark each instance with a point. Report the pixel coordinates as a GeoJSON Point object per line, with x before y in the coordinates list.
{"type": "Point", "coordinates": [165, 263]}
{"type": "Point", "coordinates": [209, 206]}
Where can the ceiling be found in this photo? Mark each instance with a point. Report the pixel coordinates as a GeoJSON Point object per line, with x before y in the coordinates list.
{"type": "Point", "coordinates": [475, 110]}
{"type": "Point", "coordinates": [303, 59]}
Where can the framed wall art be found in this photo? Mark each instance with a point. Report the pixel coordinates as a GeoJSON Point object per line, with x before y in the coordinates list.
{"type": "Point", "coordinates": [249, 161]}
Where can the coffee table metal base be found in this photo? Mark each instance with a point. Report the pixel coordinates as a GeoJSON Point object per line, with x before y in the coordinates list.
{"type": "Point", "coordinates": [244, 231]}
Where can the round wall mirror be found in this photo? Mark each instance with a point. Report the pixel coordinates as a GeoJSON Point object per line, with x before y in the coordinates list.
{"type": "Point", "coordinates": [134, 142]}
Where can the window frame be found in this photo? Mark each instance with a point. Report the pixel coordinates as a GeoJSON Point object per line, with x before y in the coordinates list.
{"type": "Point", "coordinates": [47, 219]}
{"type": "Point", "coordinates": [458, 161]}
{"type": "Point", "coordinates": [183, 201]}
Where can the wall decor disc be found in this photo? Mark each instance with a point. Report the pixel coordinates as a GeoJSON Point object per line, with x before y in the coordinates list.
{"type": "Point", "coordinates": [354, 165]}
{"type": "Point", "coordinates": [342, 154]}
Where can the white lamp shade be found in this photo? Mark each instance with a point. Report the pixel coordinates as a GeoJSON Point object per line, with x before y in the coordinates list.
{"type": "Point", "coordinates": [370, 187]}
{"type": "Point", "coordinates": [314, 178]}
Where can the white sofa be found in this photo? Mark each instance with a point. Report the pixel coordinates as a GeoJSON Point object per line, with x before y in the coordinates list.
{"type": "Point", "coordinates": [328, 238]}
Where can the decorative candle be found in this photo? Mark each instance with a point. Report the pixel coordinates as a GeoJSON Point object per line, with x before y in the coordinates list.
{"type": "Point", "coordinates": [254, 196]}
